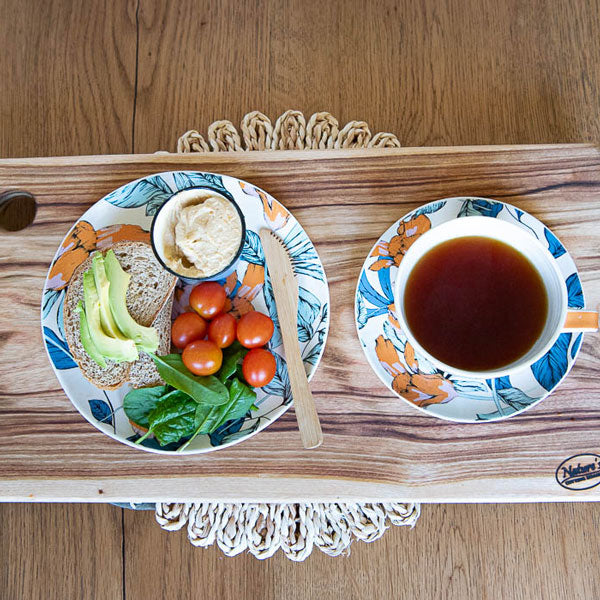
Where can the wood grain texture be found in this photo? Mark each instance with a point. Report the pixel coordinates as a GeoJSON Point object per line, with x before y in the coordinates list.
{"type": "Point", "coordinates": [455, 552]}
{"type": "Point", "coordinates": [54, 552]}
{"type": "Point", "coordinates": [344, 199]}
{"type": "Point", "coordinates": [68, 74]}
{"type": "Point", "coordinates": [433, 73]}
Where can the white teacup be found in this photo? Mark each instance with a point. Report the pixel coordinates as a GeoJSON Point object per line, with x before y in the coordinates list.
{"type": "Point", "coordinates": [559, 317]}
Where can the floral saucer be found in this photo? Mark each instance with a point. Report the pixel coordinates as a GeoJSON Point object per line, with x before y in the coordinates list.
{"type": "Point", "coordinates": [126, 214]}
{"type": "Point", "coordinates": [412, 377]}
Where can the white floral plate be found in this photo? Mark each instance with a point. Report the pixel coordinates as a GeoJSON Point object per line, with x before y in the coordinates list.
{"type": "Point", "coordinates": [411, 376]}
{"type": "Point", "coordinates": [126, 214]}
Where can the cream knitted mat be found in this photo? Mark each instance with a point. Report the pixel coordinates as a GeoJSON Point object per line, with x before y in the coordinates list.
{"type": "Point", "coordinates": [295, 529]}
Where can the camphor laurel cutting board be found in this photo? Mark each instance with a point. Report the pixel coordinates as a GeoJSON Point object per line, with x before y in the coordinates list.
{"type": "Point", "coordinates": [375, 447]}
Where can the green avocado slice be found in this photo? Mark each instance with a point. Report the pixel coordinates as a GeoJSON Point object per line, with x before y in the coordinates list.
{"type": "Point", "coordinates": [102, 286]}
{"type": "Point", "coordinates": [86, 338]}
{"type": "Point", "coordinates": [115, 349]}
{"type": "Point", "coordinates": [145, 338]}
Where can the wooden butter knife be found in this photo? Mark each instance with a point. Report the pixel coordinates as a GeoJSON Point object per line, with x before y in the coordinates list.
{"type": "Point", "coordinates": [285, 290]}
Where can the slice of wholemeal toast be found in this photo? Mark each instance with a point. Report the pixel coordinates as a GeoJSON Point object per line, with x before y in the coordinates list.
{"type": "Point", "coordinates": [150, 290]}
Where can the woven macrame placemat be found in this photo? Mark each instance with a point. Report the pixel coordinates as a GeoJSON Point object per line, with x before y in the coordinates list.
{"type": "Point", "coordinates": [295, 529]}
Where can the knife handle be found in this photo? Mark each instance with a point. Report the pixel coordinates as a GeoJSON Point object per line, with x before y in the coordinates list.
{"type": "Point", "coordinates": [304, 405]}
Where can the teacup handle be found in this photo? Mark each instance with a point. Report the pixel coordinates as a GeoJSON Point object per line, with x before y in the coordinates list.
{"type": "Point", "coordinates": [581, 320]}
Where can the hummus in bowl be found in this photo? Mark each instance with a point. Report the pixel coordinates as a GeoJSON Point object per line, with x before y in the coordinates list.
{"type": "Point", "coordinates": [198, 234]}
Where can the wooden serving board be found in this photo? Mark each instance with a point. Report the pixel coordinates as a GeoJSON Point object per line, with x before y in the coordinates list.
{"type": "Point", "coordinates": [375, 446]}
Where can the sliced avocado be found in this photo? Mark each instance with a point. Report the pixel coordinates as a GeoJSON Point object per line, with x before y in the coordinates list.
{"type": "Point", "coordinates": [102, 286]}
{"type": "Point", "coordinates": [116, 349]}
{"type": "Point", "coordinates": [145, 338]}
{"type": "Point", "coordinates": [86, 338]}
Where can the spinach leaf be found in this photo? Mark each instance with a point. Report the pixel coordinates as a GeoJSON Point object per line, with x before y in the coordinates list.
{"type": "Point", "coordinates": [204, 422]}
{"type": "Point", "coordinates": [206, 390]}
{"type": "Point", "coordinates": [210, 418]}
{"type": "Point", "coordinates": [241, 398]}
{"type": "Point", "coordinates": [173, 418]}
{"type": "Point", "coordinates": [137, 404]}
{"type": "Point", "coordinates": [207, 417]}
{"type": "Point", "coordinates": [239, 373]}
{"type": "Point", "coordinates": [231, 358]}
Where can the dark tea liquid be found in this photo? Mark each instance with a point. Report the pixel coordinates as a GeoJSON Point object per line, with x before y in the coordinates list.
{"type": "Point", "coordinates": [475, 303]}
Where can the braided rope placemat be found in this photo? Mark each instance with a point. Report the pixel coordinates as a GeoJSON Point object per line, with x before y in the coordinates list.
{"type": "Point", "coordinates": [295, 529]}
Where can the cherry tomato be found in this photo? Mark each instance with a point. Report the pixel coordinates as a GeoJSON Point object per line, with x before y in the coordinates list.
{"type": "Point", "coordinates": [254, 329]}
{"type": "Point", "coordinates": [208, 299]}
{"type": "Point", "coordinates": [221, 330]}
{"type": "Point", "coordinates": [259, 367]}
{"type": "Point", "coordinates": [202, 357]}
{"type": "Point", "coordinates": [187, 327]}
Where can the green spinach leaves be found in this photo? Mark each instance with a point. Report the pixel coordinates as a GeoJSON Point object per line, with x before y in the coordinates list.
{"type": "Point", "coordinates": [189, 405]}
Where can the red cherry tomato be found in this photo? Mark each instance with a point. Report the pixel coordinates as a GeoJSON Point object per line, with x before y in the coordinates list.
{"type": "Point", "coordinates": [208, 299]}
{"type": "Point", "coordinates": [221, 330]}
{"type": "Point", "coordinates": [187, 327]}
{"type": "Point", "coordinates": [259, 367]}
{"type": "Point", "coordinates": [254, 329]}
{"type": "Point", "coordinates": [202, 357]}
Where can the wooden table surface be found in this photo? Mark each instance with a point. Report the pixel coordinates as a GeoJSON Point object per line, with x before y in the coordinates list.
{"type": "Point", "coordinates": [91, 78]}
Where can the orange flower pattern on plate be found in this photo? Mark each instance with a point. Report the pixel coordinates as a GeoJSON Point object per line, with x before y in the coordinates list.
{"type": "Point", "coordinates": [275, 213]}
{"type": "Point", "coordinates": [251, 285]}
{"type": "Point", "coordinates": [419, 388]}
{"type": "Point", "coordinates": [391, 253]}
{"type": "Point", "coordinates": [82, 241]}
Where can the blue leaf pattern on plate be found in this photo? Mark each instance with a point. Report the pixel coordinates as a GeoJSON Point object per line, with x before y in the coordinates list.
{"type": "Point", "coordinates": [555, 247]}
{"type": "Point", "coordinates": [220, 435]}
{"type": "Point", "coordinates": [513, 399]}
{"type": "Point", "coordinates": [308, 310]}
{"type": "Point", "coordinates": [361, 311]}
{"type": "Point", "coordinates": [311, 355]}
{"type": "Point", "coordinates": [272, 308]}
{"type": "Point", "coordinates": [303, 254]}
{"type": "Point", "coordinates": [49, 300]}
{"type": "Point", "coordinates": [574, 291]}
{"type": "Point", "coordinates": [371, 295]}
{"type": "Point", "coordinates": [58, 351]}
{"type": "Point", "coordinates": [253, 250]}
{"type": "Point", "coordinates": [151, 442]}
{"type": "Point", "coordinates": [576, 345]}
{"type": "Point", "coordinates": [386, 285]}
{"type": "Point", "coordinates": [101, 411]}
{"type": "Point", "coordinates": [60, 323]}
{"type": "Point", "coordinates": [231, 434]}
{"type": "Point", "coordinates": [184, 180]}
{"type": "Point", "coordinates": [500, 383]}
{"type": "Point", "coordinates": [552, 367]}
{"type": "Point", "coordinates": [518, 216]}
{"type": "Point", "coordinates": [476, 207]}
{"type": "Point", "coordinates": [150, 192]}
{"type": "Point", "coordinates": [429, 208]}
{"type": "Point", "coordinates": [470, 388]}
{"type": "Point", "coordinates": [396, 336]}
{"type": "Point", "coordinates": [280, 384]}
